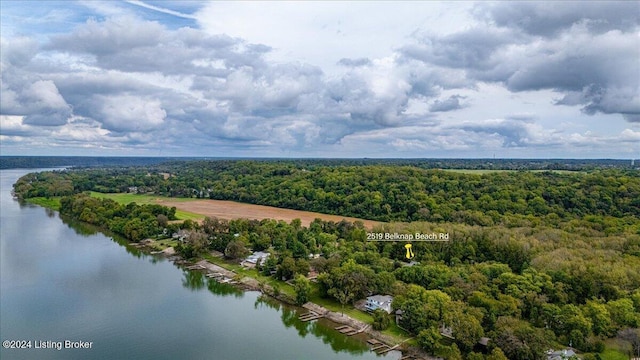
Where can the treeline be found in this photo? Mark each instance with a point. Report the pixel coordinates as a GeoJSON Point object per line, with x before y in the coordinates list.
{"type": "Point", "coordinates": [13, 162]}
{"type": "Point", "coordinates": [135, 222]}
{"type": "Point", "coordinates": [30, 162]}
{"type": "Point", "coordinates": [380, 192]}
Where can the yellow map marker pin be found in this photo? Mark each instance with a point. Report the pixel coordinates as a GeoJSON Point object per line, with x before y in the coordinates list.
{"type": "Point", "coordinates": [410, 253]}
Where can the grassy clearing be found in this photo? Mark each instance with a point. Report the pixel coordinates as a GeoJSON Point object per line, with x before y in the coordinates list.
{"type": "Point", "coordinates": [51, 203]}
{"type": "Point", "coordinates": [400, 335]}
{"type": "Point", "coordinates": [162, 244]}
{"type": "Point", "coordinates": [611, 354]}
{"type": "Point", "coordinates": [615, 349]}
{"type": "Point", "coordinates": [126, 198]}
{"type": "Point", "coordinates": [184, 215]}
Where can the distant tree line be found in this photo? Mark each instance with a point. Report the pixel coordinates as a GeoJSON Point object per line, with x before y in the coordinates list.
{"type": "Point", "coordinates": [30, 162]}
{"type": "Point", "coordinates": [26, 162]}
{"type": "Point", "coordinates": [377, 192]}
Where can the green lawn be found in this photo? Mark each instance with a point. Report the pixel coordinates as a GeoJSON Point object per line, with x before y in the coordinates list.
{"type": "Point", "coordinates": [51, 203]}
{"type": "Point", "coordinates": [126, 198]}
{"type": "Point", "coordinates": [335, 306]}
{"type": "Point", "coordinates": [615, 350]}
{"type": "Point", "coordinates": [611, 354]}
{"type": "Point", "coordinates": [165, 243]}
{"type": "Point", "coordinates": [396, 332]}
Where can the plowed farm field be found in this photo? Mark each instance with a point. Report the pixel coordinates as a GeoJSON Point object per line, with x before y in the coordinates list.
{"type": "Point", "coordinates": [232, 210]}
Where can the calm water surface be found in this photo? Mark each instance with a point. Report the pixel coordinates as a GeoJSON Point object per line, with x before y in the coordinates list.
{"type": "Point", "coordinates": [62, 280]}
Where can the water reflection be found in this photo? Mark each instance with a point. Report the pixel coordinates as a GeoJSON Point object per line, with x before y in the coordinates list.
{"type": "Point", "coordinates": [81, 228]}
{"type": "Point", "coordinates": [322, 329]}
{"type": "Point", "coordinates": [87, 230]}
{"type": "Point", "coordinates": [50, 213]}
{"type": "Point", "coordinates": [193, 280]}
{"type": "Point", "coordinates": [196, 280]}
{"type": "Point", "coordinates": [218, 288]}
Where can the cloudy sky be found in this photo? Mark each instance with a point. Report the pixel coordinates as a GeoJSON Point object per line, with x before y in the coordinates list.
{"type": "Point", "coordinates": [321, 79]}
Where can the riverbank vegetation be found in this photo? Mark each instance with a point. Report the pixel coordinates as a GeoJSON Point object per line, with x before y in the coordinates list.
{"type": "Point", "coordinates": [533, 260]}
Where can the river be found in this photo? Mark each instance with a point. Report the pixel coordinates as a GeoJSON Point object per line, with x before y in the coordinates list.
{"type": "Point", "coordinates": [62, 281]}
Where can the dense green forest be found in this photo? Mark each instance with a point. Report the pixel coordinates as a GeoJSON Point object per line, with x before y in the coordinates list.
{"type": "Point", "coordinates": [536, 260]}
{"type": "Point", "coordinates": [135, 222]}
{"type": "Point", "coordinates": [377, 192]}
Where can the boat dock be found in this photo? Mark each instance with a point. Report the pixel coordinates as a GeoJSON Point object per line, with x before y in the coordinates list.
{"type": "Point", "coordinates": [310, 316]}
{"type": "Point", "coordinates": [215, 272]}
{"type": "Point", "coordinates": [349, 331]}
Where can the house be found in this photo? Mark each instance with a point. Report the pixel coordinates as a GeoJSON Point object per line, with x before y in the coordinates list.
{"type": "Point", "coordinates": [255, 257]}
{"type": "Point", "coordinates": [379, 302]}
{"type": "Point", "coordinates": [484, 341]}
{"type": "Point", "coordinates": [561, 354]}
{"type": "Point", "coordinates": [181, 235]}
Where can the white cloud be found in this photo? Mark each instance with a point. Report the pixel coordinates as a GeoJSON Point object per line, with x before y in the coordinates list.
{"type": "Point", "coordinates": [336, 78]}
{"type": "Point", "coordinates": [131, 113]}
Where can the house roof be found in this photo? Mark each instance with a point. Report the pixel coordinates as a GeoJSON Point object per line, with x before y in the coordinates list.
{"type": "Point", "coordinates": [253, 258]}
{"type": "Point", "coordinates": [560, 354]}
{"type": "Point", "coordinates": [380, 299]}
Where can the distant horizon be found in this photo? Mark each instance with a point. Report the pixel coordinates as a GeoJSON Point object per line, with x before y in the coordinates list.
{"type": "Point", "coordinates": [307, 157]}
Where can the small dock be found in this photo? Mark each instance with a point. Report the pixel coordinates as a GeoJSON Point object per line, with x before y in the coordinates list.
{"type": "Point", "coordinates": [348, 330]}
{"type": "Point", "coordinates": [345, 329]}
{"type": "Point", "coordinates": [196, 267]}
{"type": "Point", "coordinates": [221, 278]}
{"type": "Point", "coordinates": [215, 272]}
{"type": "Point", "coordinates": [310, 316]}
{"type": "Point", "coordinates": [379, 348]}
{"type": "Point", "coordinates": [385, 350]}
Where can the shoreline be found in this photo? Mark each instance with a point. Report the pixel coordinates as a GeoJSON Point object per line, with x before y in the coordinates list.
{"type": "Point", "coordinates": [247, 283]}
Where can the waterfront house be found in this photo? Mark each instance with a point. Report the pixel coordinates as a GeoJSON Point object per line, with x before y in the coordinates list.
{"type": "Point", "coordinates": [181, 235]}
{"type": "Point", "coordinates": [253, 259]}
{"type": "Point", "coordinates": [561, 354]}
{"type": "Point", "coordinates": [379, 302]}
